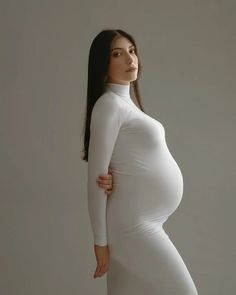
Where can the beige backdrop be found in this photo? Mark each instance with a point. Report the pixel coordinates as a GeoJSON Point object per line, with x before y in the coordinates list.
{"type": "Point", "coordinates": [187, 50]}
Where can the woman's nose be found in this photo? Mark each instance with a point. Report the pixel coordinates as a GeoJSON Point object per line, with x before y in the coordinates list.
{"type": "Point", "coordinates": [130, 59]}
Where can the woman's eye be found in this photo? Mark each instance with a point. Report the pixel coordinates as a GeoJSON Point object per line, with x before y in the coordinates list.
{"type": "Point", "coordinates": [116, 54]}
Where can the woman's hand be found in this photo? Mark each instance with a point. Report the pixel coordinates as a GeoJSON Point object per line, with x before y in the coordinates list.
{"type": "Point", "coordinates": [102, 256]}
{"type": "Point", "coordinates": [105, 181]}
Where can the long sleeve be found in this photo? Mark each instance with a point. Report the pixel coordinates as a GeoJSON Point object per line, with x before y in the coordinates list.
{"type": "Point", "coordinates": [104, 129]}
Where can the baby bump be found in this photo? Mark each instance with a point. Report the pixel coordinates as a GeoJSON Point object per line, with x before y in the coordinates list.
{"type": "Point", "coordinates": [149, 194]}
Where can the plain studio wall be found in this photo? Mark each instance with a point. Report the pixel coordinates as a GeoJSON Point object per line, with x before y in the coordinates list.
{"type": "Point", "coordinates": [187, 50]}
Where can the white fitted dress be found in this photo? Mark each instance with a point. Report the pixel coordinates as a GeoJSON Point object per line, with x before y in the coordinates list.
{"type": "Point", "coordinates": [147, 189]}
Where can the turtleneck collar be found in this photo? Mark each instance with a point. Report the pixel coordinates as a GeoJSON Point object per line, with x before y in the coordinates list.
{"type": "Point", "coordinates": [123, 90]}
{"type": "Point", "coordinates": [120, 89]}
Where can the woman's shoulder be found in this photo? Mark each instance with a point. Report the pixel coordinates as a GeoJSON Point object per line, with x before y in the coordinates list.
{"type": "Point", "coordinates": [109, 98]}
{"type": "Point", "coordinates": [108, 102]}
{"type": "Point", "coordinates": [108, 106]}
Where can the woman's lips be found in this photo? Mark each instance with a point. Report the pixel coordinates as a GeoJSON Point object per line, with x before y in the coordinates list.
{"type": "Point", "coordinates": [132, 70]}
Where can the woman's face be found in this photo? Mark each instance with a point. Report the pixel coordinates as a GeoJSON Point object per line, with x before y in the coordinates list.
{"type": "Point", "coordinates": [122, 57]}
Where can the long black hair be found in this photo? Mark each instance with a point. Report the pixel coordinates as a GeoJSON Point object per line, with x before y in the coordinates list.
{"type": "Point", "coordinates": [99, 58]}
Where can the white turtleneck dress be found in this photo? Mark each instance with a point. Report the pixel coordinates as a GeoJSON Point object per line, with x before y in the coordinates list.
{"type": "Point", "coordinates": [147, 189]}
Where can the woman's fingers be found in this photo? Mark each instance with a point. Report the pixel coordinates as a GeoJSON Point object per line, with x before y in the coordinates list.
{"type": "Point", "coordinates": [100, 270]}
{"type": "Point", "coordinates": [97, 271]}
{"type": "Point", "coordinates": [105, 181]}
{"type": "Point", "coordinates": [102, 256]}
{"type": "Point", "coordinates": [107, 178]}
{"type": "Point", "coordinates": [104, 184]}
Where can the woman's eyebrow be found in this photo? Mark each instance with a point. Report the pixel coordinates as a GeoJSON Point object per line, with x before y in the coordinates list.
{"type": "Point", "coordinates": [122, 48]}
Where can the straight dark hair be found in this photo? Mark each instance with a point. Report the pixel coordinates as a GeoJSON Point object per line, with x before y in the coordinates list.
{"type": "Point", "coordinates": [99, 58]}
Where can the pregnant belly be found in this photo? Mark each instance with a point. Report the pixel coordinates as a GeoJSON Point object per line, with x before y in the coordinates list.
{"type": "Point", "coordinates": [144, 193]}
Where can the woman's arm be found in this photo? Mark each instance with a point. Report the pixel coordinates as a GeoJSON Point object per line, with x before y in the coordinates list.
{"type": "Point", "coordinates": [104, 129]}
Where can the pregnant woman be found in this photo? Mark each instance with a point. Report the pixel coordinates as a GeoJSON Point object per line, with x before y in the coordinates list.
{"type": "Point", "coordinates": [130, 243]}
